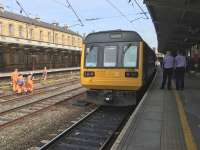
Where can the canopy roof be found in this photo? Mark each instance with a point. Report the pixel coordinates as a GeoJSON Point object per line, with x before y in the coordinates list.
{"type": "Point", "coordinates": [177, 23]}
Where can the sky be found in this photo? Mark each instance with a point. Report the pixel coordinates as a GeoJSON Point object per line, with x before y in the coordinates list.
{"type": "Point", "coordinates": [57, 11]}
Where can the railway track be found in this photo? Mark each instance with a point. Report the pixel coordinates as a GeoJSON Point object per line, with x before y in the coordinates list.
{"type": "Point", "coordinates": [93, 132]}
{"type": "Point", "coordinates": [38, 89]}
{"type": "Point", "coordinates": [15, 114]}
{"type": "Point", "coordinates": [13, 97]}
{"type": "Point", "coordinates": [11, 104]}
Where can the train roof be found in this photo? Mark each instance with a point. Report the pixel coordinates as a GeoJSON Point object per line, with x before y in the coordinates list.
{"type": "Point", "coordinates": [113, 36]}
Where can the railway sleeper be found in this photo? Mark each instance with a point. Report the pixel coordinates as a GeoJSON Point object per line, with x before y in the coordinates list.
{"type": "Point", "coordinates": [84, 142]}
{"type": "Point", "coordinates": [64, 146]}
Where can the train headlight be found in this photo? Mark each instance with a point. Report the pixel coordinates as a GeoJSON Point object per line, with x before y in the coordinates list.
{"type": "Point", "coordinates": [89, 74]}
{"type": "Point", "coordinates": [131, 74]}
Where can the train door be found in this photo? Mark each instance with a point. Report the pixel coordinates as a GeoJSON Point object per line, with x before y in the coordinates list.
{"type": "Point", "coordinates": [145, 64]}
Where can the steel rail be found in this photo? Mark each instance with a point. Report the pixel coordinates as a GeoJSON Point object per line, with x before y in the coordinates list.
{"type": "Point", "coordinates": [68, 129]}
{"type": "Point", "coordinates": [88, 127]}
{"type": "Point", "coordinates": [42, 87]}
{"type": "Point", "coordinates": [6, 100]}
{"type": "Point", "coordinates": [39, 110]}
{"type": "Point", "coordinates": [42, 99]}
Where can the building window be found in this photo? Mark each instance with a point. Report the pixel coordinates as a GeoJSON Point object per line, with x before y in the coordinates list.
{"type": "Point", "coordinates": [78, 41]}
{"type": "Point", "coordinates": [63, 39]}
{"type": "Point", "coordinates": [20, 31]}
{"type": "Point", "coordinates": [49, 36]}
{"type": "Point", "coordinates": [11, 29]}
{"type": "Point", "coordinates": [31, 34]}
{"type": "Point", "coordinates": [41, 35]}
{"type": "Point", "coordinates": [68, 40]}
{"type": "Point", "coordinates": [73, 41]}
{"type": "Point", "coordinates": [56, 38]}
{"type": "Point", "coordinates": [1, 28]}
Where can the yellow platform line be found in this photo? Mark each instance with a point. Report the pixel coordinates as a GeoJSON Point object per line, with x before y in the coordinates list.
{"type": "Point", "coordinates": [189, 140]}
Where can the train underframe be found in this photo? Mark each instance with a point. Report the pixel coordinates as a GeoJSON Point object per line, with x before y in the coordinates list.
{"type": "Point", "coordinates": [118, 97]}
{"type": "Point", "coordinates": [112, 97]}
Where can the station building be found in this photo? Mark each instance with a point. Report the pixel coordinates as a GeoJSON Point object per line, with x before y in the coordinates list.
{"type": "Point", "coordinates": [29, 44]}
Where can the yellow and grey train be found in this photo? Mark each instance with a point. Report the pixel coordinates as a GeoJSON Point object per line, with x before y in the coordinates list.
{"type": "Point", "coordinates": [115, 66]}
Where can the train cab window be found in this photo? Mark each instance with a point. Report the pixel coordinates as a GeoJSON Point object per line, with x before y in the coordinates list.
{"type": "Point", "coordinates": [91, 56]}
{"type": "Point", "coordinates": [130, 56]}
{"type": "Point", "coordinates": [110, 56]}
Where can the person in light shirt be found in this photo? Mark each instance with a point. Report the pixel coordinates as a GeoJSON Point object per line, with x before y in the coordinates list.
{"type": "Point", "coordinates": [180, 67]}
{"type": "Point", "coordinates": [44, 74]}
{"type": "Point", "coordinates": [168, 66]}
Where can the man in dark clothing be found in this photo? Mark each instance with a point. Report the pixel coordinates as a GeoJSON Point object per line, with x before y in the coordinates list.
{"type": "Point", "coordinates": [180, 67]}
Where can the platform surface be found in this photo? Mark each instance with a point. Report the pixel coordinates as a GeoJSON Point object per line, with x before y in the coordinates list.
{"type": "Point", "coordinates": [157, 125]}
{"type": "Point", "coordinates": [191, 100]}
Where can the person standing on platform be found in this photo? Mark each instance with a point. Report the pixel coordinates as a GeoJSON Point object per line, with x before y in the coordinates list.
{"type": "Point", "coordinates": [168, 66]}
{"type": "Point", "coordinates": [44, 75]}
{"type": "Point", "coordinates": [14, 77]}
{"type": "Point", "coordinates": [180, 68]}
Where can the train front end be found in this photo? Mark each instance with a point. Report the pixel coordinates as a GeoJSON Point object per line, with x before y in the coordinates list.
{"type": "Point", "coordinates": [111, 68]}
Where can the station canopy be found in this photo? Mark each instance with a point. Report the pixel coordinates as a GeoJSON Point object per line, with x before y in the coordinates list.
{"type": "Point", "coordinates": [177, 23]}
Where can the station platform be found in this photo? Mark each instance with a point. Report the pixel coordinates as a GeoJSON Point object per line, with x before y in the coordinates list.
{"type": "Point", "coordinates": [8, 74]}
{"type": "Point", "coordinates": [164, 119]}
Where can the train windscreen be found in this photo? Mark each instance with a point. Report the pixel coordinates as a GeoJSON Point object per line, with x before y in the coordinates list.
{"type": "Point", "coordinates": [112, 55]}
{"type": "Point", "coordinates": [91, 56]}
{"type": "Point", "coordinates": [130, 56]}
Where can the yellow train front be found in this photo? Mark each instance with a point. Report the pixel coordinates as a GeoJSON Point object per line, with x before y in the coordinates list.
{"type": "Point", "coordinates": [115, 66]}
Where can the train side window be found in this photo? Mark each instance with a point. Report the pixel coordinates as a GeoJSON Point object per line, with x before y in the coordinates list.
{"type": "Point", "coordinates": [110, 56]}
{"type": "Point", "coordinates": [91, 56]}
{"type": "Point", "coordinates": [130, 56]}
